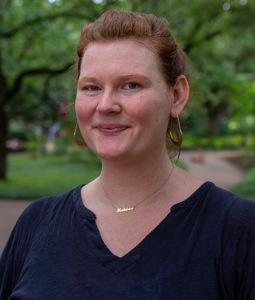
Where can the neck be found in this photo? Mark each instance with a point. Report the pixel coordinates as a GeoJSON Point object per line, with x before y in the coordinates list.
{"type": "Point", "coordinates": [127, 183]}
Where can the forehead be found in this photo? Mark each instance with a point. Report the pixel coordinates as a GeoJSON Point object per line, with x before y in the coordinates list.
{"type": "Point", "coordinates": [127, 53]}
{"type": "Point", "coordinates": [142, 41]}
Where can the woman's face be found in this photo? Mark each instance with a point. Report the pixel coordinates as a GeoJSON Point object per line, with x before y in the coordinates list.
{"type": "Point", "coordinates": [123, 103]}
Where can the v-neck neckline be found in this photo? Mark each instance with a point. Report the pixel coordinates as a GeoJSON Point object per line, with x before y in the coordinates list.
{"type": "Point", "coordinates": [111, 261]}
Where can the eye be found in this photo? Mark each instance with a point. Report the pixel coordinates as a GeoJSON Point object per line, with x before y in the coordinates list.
{"type": "Point", "coordinates": [92, 88]}
{"type": "Point", "coordinates": [131, 86]}
{"type": "Point", "coordinates": [89, 89]}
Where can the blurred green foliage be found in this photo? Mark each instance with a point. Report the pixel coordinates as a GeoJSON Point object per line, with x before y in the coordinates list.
{"type": "Point", "coordinates": [48, 175]}
{"type": "Point", "coordinates": [38, 48]}
{"type": "Point", "coordinates": [33, 177]}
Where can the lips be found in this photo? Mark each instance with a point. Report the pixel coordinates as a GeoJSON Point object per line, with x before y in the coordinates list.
{"type": "Point", "coordinates": [111, 129]}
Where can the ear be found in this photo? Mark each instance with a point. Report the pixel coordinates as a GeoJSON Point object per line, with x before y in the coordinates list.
{"type": "Point", "coordinates": [180, 96]}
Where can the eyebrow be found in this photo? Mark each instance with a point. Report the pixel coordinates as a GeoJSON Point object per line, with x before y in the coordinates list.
{"type": "Point", "coordinates": [133, 76]}
{"type": "Point", "coordinates": [123, 77]}
{"type": "Point", "coordinates": [87, 78]}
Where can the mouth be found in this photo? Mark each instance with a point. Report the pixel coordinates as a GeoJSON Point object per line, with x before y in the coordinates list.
{"type": "Point", "coordinates": [111, 129]}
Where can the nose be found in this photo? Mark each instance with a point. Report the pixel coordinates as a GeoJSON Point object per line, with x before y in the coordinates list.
{"type": "Point", "coordinates": [108, 103]}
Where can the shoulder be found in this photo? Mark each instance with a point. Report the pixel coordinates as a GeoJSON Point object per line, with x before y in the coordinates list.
{"type": "Point", "coordinates": [31, 233]}
{"type": "Point", "coordinates": [222, 213]}
{"type": "Point", "coordinates": [231, 206]}
{"type": "Point", "coordinates": [215, 207]}
{"type": "Point", "coordinates": [234, 223]}
{"type": "Point", "coordinates": [45, 207]}
{"type": "Point", "coordinates": [38, 219]}
{"type": "Point", "coordinates": [232, 219]}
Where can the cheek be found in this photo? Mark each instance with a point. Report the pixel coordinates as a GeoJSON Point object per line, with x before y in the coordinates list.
{"type": "Point", "coordinates": [83, 108]}
{"type": "Point", "coordinates": [152, 110]}
{"type": "Point", "coordinates": [140, 112]}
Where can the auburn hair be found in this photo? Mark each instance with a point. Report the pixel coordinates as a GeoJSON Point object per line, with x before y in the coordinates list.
{"type": "Point", "coordinates": [154, 32]}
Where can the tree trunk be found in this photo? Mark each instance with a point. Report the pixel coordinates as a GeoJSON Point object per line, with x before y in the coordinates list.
{"type": "Point", "coordinates": [214, 124]}
{"type": "Point", "coordinates": [215, 114]}
{"type": "Point", "coordinates": [3, 138]}
{"type": "Point", "coordinates": [3, 123]}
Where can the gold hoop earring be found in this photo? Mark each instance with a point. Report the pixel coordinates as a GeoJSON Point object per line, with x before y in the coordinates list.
{"type": "Point", "coordinates": [77, 141]}
{"type": "Point", "coordinates": [177, 133]}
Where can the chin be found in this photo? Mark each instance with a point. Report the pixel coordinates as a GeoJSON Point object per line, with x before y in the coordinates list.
{"type": "Point", "coordinates": [111, 154]}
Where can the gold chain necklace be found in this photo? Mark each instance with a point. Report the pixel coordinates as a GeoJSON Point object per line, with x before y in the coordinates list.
{"type": "Point", "coordinates": [124, 209]}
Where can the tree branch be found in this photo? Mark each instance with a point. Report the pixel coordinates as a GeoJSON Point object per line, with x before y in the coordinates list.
{"type": "Point", "coordinates": [40, 71]}
{"type": "Point", "coordinates": [207, 37]}
{"type": "Point", "coordinates": [39, 19]}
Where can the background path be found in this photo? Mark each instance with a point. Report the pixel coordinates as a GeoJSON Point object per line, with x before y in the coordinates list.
{"type": "Point", "coordinates": [214, 166]}
{"type": "Point", "coordinates": [10, 210]}
{"type": "Point", "coordinates": [209, 165]}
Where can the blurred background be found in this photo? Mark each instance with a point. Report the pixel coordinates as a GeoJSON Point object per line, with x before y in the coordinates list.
{"type": "Point", "coordinates": [37, 88]}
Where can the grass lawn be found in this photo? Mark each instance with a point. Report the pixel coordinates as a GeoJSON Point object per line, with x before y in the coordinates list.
{"type": "Point", "coordinates": [31, 178]}
{"type": "Point", "coordinates": [246, 188]}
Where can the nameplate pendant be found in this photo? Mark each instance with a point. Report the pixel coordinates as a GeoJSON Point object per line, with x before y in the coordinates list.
{"type": "Point", "coordinates": [119, 210]}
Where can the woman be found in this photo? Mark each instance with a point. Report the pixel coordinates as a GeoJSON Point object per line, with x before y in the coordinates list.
{"type": "Point", "coordinates": [144, 229]}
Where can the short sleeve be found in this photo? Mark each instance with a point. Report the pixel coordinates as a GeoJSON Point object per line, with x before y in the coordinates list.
{"type": "Point", "coordinates": [18, 247]}
{"type": "Point", "coordinates": [10, 264]}
{"type": "Point", "coordinates": [238, 253]}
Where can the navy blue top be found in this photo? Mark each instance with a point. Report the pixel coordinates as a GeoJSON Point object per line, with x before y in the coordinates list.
{"type": "Point", "coordinates": [204, 249]}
